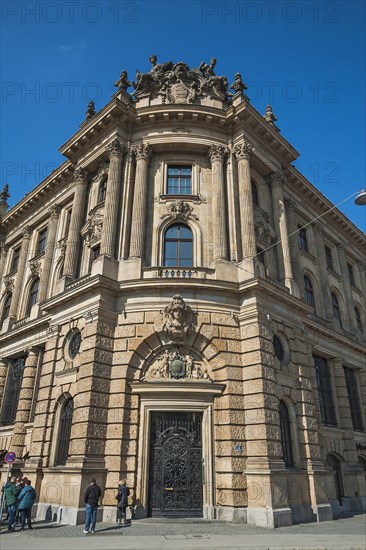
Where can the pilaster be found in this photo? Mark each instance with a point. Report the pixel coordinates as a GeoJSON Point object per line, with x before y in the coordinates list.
{"type": "Point", "coordinates": [349, 310]}
{"type": "Point", "coordinates": [27, 232]}
{"type": "Point", "coordinates": [49, 252]}
{"type": "Point", "coordinates": [325, 298]}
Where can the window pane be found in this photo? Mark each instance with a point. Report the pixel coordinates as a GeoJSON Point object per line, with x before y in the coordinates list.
{"type": "Point", "coordinates": [179, 180]}
{"type": "Point", "coordinates": [178, 246]}
{"type": "Point", "coordinates": [354, 400]}
{"type": "Point", "coordinates": [325, 391]}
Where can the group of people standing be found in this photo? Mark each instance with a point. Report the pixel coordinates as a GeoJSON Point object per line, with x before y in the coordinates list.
{"type": "Point", "coordinates": [92, 499]}
{"type": "Point", "coordinates": [19, 498]}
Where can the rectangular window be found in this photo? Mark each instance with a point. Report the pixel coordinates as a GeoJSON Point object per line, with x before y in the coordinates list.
{"type": "Point", "coordinates": [303, 241]}
{"type": "Point", "coordinates": [15, 260]}
{"type": "Point", "coordinates": [350, 274]}
{"type": "Point", "coordinates": [329, 258]}
{"type": "Point", "coordinates": [42, 239]}
{"type": "Point", "coordinates": [354, 399]}
{"type": "Point", "coordinates": [12, 392]}
{"type": "Point", "coordinates": [179, 180]}
{"type": "Point", "coordinates": [325, 391]}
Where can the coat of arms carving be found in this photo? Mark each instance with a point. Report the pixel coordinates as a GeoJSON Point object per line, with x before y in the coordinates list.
{"type": "Point", "coordinates": [177, 364]}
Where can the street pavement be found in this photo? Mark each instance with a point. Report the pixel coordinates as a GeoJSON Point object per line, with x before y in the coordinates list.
{"type": "Point", "coordinates": [341, 534]}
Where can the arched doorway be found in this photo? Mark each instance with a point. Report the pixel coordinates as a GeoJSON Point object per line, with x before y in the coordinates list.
{"type": "Point", "coordinates": [335, 465]}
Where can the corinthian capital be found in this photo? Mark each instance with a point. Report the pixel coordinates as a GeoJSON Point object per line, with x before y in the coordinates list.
{"type": "Point", "coordinates": [116, 148]}
{"type": "Point", "coordinates": [277, 179]}
{"type": "Point", "coordinates": [54, 211]}
{"type": "Point", "coordinates": [243, 150]}
{"type": "Point", "coordinates": [141, 151]}
{"type": "Point", "coordinates": [27, 232]}
{"type": "Point", "coordinates": [217, 153]}
{"type": "Point", "coordinates": [80, 176]}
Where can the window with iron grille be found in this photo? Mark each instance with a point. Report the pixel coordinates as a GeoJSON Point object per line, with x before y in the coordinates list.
{"type": "Point", "coordinates": [6, 309]}
{"type": "Point", "coordinates": [286, 441]}
{"type": "Point", "coordinates": [255, 194]}
{"type": "Point", "coordinates": [178, 246]}
{"type": "Point", "coordinates": [336, 309]}
{"type": "Point", "coordinates": [64, 432]}
{"type": "Point", "coordinates": [308, 291]}
{"type": "Point", "coordinates": [329, 258]}
{"type": "Point", "coordinates": [358, 320]}
{"type": "Point", "coordinates": [325, 391]}
{"type": "Point", "coordinates": [12, 392]}
{"type": "Point", "coordinates": [42, 239]}
{"type": "Point", "coordinates": [303, 240]}
{"type": "Point", "coordinates": [15, 259]}
{"type": "Point", "coordinates": [179, 180]}
{"type": "Point", "coordinates": [354, 399]}
{"type": "Point", "coordinates": [350, 274]}
{"type": "Point", "coordinates": [33, 295]}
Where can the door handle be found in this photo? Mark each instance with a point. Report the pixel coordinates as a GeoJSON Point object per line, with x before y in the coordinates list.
{"type": "Point", "coordinates": [168, 489]}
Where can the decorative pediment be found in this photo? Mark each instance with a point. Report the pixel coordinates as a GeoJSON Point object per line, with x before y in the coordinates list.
{"type": "Point", "coordinates": [264, 233]}
{"type": "Point", "coordinates": [177, 83]}
{"type": "Point", "coordinates": [176, 364]}
{"type": "Point", "coordinates": [179, 210]}
{"type": "Point", "coordinates": [92, 230]}
{"type": "Point", "coordinates": [179, 319]}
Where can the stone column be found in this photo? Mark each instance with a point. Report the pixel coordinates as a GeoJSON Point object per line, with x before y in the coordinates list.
{"type": "Point", "coordinates": [25, 401]}
{"type": "Point", "coordinates": [293, 240]}
{"type": "Point", "coordinates": [242, 153]}
{"type": "Point", "coordinates": [27, 232]}
{"type": "Point", "coordinates": [50, 248]}
{"type": "Point", "coordinates": [348, 312]}
{"type": "Point", "coordinates": [108, 241]}
{"type": "Point", "coordinates": [4, 249]}
{"type": "Point", "coordinates": [142, 153]}
{"type": "Point", "coordinates": [324, 297]}
{"type": "Point", "coordinates": [3, 373]}
{"type": "Point", "coordinates": [216, 155]}
{"type": "Point", "coordinates": [76, 222]}
{"type": "Point", "coordinates": [279, 217]}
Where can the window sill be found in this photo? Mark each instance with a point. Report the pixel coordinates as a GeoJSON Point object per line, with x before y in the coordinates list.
{"type": "Point", "coordinates": [175, 196]}
{"type": "Point", "coordinates": [307, 255]}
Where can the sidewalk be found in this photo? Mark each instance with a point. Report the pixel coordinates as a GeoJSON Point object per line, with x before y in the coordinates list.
{"type": "Point", "coordinates": [343, 534]}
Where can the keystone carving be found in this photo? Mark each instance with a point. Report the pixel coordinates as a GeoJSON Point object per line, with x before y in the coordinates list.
{"type": "Point", "coordinates": [35, 268]}
{"type": "Point", "coordinates": [179, 210]}
{"type": "Point", "coordinates": [179, 319]}
{"type": "Point", "coordinates": [9, 285]}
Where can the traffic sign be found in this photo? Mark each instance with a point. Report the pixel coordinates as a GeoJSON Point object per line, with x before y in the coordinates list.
{"type": "Point", "coordinates": [10, 457]}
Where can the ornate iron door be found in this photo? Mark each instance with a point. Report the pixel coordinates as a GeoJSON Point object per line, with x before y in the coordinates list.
{"type": "Point", "coordinates": [175, 484]}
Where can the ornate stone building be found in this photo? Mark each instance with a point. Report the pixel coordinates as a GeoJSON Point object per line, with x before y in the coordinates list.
{"type": "Point", "coordinates": [171, 313]}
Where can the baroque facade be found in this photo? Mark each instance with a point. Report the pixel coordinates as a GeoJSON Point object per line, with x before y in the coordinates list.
{"type": "Point", "coordinates": [172, 314]}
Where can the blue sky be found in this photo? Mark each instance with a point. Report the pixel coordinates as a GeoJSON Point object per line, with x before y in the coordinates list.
{"type": "Point", "coordinates": [306, 58]}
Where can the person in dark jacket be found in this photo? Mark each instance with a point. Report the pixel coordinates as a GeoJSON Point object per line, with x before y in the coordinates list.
{"type": "Point", "coordinates": [91, 499]}
{"type": "Point", "coordinates": [11, 494]}
{"type": "Point", "coordinates": [26, 499]}
{"type": "Point", "coordinates": [122, 501]}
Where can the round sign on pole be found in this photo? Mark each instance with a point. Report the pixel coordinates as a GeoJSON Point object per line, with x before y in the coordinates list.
{"type": "Point", "coordinates": [10, 457]}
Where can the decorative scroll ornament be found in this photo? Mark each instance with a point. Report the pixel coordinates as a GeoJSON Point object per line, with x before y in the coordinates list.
{"type": "Point", "coordinates": [9, 285]}
{"type": "Point", "coordinates": [277, 179]}
{"type": "Point", "coordinates": [27, 232]}
{"type": "Point", "coordinates": [35, 268]}
{"type": "Point", "coordinates": [180, 210]}
{"type": "Point", "coordinates": [177, 83]}
{"type": "Point", "coordinates": [141, 151]}
{"type": "Point", "coordinates": [92, 230]}
{"type": "Point", "coordinates": [80, 176]}
{"type": "Point", "coordinates": [179, 319]}
{"type": "Point", "coordinates": [176, 364]}
{"type": "Point", "coordinates": [55, 211]}
{"type": "Point", "coordinates": [264, 233]}
{"type": "Point", "coordinates": [243, 150]}
{"type": "Point", "coordinates": [217, 153]}
{"type": "Point", "coordinates": [116, 148]}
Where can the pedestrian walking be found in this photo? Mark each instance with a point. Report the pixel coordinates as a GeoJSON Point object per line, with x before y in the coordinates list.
{"type": "Point", "coordinates": [10, 495]}
{"type": "Point", "coordinates": [26, 499]}
{"type": "Point", "coordinates": [122, 501]}
{"type": "Point", "coordinates": [19, 483]}
{"type": "Point", "coordinates": [91, 499]}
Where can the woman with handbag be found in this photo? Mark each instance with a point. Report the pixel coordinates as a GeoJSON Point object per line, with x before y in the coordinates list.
{"type": "Point", "coordinates": [122, 501]}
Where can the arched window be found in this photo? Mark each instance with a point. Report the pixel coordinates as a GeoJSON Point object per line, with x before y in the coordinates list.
{"type": "Point", "coordinates": [33, 295]}
{"type": "Point", "coordinates": [255, 194]}
{"type": "Point", "coordinates": [358, 320]}
{"type": "Point", "coordinates": [286, 442]}
{"type": "Point", "coordinates": [13, 386]}
{"type": "Point", "coordinates": [178, 246]}
{"type": "Point", "coordinates": [334, 464]}
{"type": "Point", "coordinates": [6, 309]}
{"type": "Point", "coordinates": [308, 290]}
{"type": "Point", "coordinates": [64, 431]}
{"type": "Point", "coordinates": [102, 190]}
{"type": "Point", "coordinates": [336, 309]}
